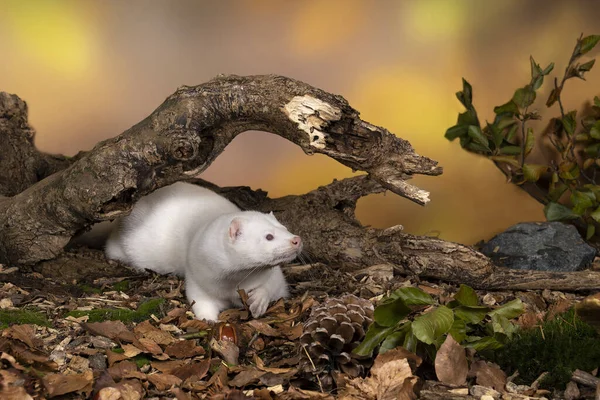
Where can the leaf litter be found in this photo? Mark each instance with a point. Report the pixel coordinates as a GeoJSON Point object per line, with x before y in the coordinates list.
{"type": "Point", "coordinates": [171, 355]}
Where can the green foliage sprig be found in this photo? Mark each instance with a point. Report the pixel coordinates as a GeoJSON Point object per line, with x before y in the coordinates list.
{"type": "Point", "coordinates": [572, 191]}
{"type": "Point", "coordinates": [397, 323]}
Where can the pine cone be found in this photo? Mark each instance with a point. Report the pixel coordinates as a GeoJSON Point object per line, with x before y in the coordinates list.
{"type": "Point", "coordinates": [333, 330]}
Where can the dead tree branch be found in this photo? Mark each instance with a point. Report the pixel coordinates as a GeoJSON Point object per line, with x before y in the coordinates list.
{"type": "Point", "coordinates": [179, 140]}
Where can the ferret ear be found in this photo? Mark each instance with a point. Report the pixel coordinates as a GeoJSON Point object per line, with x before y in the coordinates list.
{"type": "Point", "coordinates": [272, 215]}
{"type": "Point", "coordinates": [235, 228]}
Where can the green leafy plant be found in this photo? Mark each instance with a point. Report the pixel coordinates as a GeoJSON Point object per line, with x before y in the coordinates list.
{"type": "Point", "coordinates": [559, 347]}
{"type": "Point", "coordinates": [397, 322]}
{"type": "Point", "coordinates": [567, 183]}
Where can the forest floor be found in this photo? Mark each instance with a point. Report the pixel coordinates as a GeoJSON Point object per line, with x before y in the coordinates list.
{"type": "Point", "coordinates": [127, 336]}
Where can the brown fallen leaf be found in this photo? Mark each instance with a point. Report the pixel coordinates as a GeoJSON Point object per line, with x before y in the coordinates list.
{"type": "Point", "coordinates": [451, 366]}
{"type": "Point", "coordinates": [57, 384]}
{"type": "Point", "coordinates": [168, 366]}
{"type": "Point", "coordinates": [196, 369]}
{"type": "Point", "coordinates": [148, 331]}
{"type": "Point", "coordinates": [125, 369]}
{"type": "Point", "coordinates": [391, 378]}
{"type": "Point", "coordinates": [184, 348]}
{"type": "Point", "coordinates": [131, 389]}
{"type": "Point", "coordinates": [264, 328]}
{"type": "Point", "coordinates": [246, 377]}
{"type": "Point", "coordinates": [110, 329]}
{"type": "Point", "coordinates": [25, 333]}
{"type": "Point", "coordinates": [113, 357]}
{"type": "Point", "coordinates": [164, 381]}
{"type": "Point", "coordinates": [26, 355]}
{"type": "Point", "coordinates": [130, 350]}
{"type": "Point", "coordinates": [489, 375]}
{"type": "Point", "coordinates": [150, 346]}
{"type": "Point", "coordinates": [174, 314]}
{"type": "Point", "coordinates": [11, 386]}
{"type": "Point", "coordinates": [226, 349]}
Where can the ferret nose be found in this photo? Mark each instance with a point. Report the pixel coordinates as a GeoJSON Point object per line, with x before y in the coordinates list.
{"type": "Point", "coordinates": [296, 241]}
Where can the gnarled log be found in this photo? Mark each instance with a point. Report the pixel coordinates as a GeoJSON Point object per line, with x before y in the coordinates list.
{"type": "Point", "coordinates": [180, 139]}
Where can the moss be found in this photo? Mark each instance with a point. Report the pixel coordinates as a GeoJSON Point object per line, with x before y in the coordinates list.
{"type": "Point", "coordinates": [143, 312]}
{"type": "Point", "coordinates": [141, 360]}
{"type": "Point", "coordinates": [559, 346]}
{"type": "Point", "coordinates": [122, 286]}
{"type": "Point", "coordinates": [22, 316]}
{"type": "Point", "coordinates": [89, 289]}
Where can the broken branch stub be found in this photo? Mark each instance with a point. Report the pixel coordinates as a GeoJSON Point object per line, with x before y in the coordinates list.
{"type": "Point", "coordinates": [180, 139]}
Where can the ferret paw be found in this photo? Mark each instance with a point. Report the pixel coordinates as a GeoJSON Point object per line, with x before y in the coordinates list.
{"type": "Point", "coordinates": [258, 301]}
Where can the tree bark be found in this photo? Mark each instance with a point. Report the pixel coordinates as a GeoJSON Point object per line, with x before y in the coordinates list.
{"type": "Point", "coordinates": [326, 221]}
{"type": "Point", "coordinates": [180, 139]}
{"type": "Point", "coordinates": [190, 129]}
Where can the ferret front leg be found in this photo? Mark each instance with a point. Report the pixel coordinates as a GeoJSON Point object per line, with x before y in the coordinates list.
{"type": "Point", "coordinates": [204, 306]}
{"type": "Point", "coordinates": [271, 288]}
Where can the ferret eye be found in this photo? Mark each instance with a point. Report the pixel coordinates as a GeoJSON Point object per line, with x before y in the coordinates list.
{"type": "Point", "coordinates": [269, 237]}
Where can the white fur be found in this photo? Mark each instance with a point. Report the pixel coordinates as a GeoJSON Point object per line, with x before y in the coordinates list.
{"type": "Point", "coordinates": [194, 232]}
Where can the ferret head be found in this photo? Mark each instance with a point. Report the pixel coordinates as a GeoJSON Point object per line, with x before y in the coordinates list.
{"type": "Point", "coordinates": [259, 240]}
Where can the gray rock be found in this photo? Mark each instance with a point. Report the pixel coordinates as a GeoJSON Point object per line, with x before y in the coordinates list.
{"type": "Point", "coordinates": [542, 246]}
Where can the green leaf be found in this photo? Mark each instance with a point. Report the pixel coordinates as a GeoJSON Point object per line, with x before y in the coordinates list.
{"type": "Point", "coordinates": [529, 141]}
{"type": "Point", "coordinates": [582, 137]}
{"type": "Point", "coordinates": [484, 343]}
{"type": "Point", "coordinates": [592, 150]}
{"type": "Point", "coordinates": [468, 117]}
{"type": "Point", "coordinates": [466, 296]}
{"type": "Point", "coordinates": [509, 108]}
{"type": "Point", "coordinates": [497, 136]}
{"type": "Point", "coordinates": [596, 214]}
{"type": "Point", "coordinates": [430, 326]}
{"type": "Point", "coordinates": [456, 131]}
{"type": "Point", "coordinates": [536, 70]}
{"type": "Point", "coordinates": [533, 172]}
{"type": "Point", "coordinates": [588, 43]}
{"type": "Point", "coordinates": [569, 122]}
{"type": "Point", "coordinates": [412, 296]}
{"type": "Point", "coordinates": [548, 69]}
{"type": "Point", "coordinates": [585, 67]}
{"type": "Point", "coordinates": [396, 338]}
{"type": "Point", "coordinates": [411, 342]}
{"type": "Point", "coordinates": [524, 97]}
{"type": "Point", "coordinates": [471, 314]}
{"type": "Point", "coordinates": [458, 330]}
{"type": "Point", "coordinates": [510, 150]}
{"type": "Point", "coordinates": [506, 159]}
{"type": "Point", "coordinates": [375, 335]}
{"type": "Point", "coordinates": [554, 95]}
{"type": "Point", "coordinates": [510, 310]}
{"type": "Point", "coordinates": [582, 201]}
{"type": "Point", "coordinates": [501, 324]}
{"type": "Point", "coordinates": [467, 94]}
{"type": "Point", "coordinates": [477, 135]}
{"type": "Point", "coordinates": [558, 212]}
{"type": "Point", "coordinates": [504, 122]}
{"type": "Point", "coordinates": [591, 229]}
{"type": "Point", "coordinates": [597, 101]}
{"type": "Point", "coordinates": [557, 190]}
{"type": "Point", "coordinates": [595, 130]}
{"type": "Point", "coordinates": [511, 137]}
{"type": "Point", "coordinates": [391, 311]}
{"type": "Point", "coordinates": [569, 170]}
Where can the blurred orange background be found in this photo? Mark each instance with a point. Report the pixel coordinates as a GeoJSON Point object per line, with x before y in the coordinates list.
{"type": "Point", "coordinates": [91, 69]}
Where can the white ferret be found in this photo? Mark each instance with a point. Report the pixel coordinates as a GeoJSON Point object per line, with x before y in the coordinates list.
{"type": "Point", "coordinates": [191, 231]}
